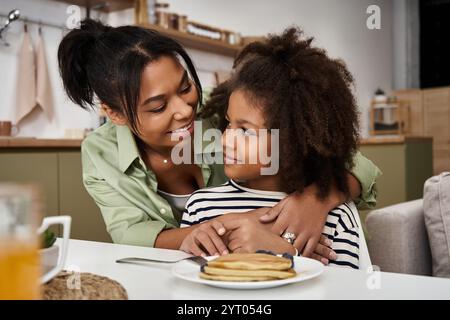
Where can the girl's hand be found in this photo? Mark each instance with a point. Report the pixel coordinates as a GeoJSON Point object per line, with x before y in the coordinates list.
{"type": "Point", "coordinates": [304, 215]}
{"type": "Point", "coordinates": [247, 235]}
{"type": "Point", "coordinates": [323, 251]}
{"type": "Point", "coordinates": [205, 240]}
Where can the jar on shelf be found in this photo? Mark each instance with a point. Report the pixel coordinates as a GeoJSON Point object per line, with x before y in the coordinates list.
{"type": "Point", "coordinates": [234, 38]}
{"type": "Point", "coordinates": [182, 23]}
{"type": "Point", "coordinates": [224, 34]}
{"type": "Point", "coordinates": [162, 15]}
{"type": "Point", "coordinates": [173, 21]}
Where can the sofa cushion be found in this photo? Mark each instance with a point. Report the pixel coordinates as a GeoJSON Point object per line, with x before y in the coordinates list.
{"type": "Point", "coordinates": [398, 240]}
{"type": "Point", "coordinates": [436, 205]}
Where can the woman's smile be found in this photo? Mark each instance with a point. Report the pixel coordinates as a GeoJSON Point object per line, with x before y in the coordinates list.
{"type": "Point", "coordinates": [184, 130]}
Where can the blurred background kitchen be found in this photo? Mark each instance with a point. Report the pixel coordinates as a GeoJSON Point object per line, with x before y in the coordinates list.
{"type": "Point", "coordinates": [394, 49]}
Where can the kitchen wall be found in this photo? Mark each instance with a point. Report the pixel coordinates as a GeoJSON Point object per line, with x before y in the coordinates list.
{"type": "Point", "coordinates": [206, 63]}
{"type": "Point", "coordinates": [67, 115]}
{"type": "Point", "coordinates": [338, 25]}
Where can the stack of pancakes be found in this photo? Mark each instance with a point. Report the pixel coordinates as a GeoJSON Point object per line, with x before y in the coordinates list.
{"type": "Point", "coordinates": [248, 267]}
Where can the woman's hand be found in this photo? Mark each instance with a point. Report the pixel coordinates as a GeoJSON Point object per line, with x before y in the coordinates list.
{"type": "Point", "coordinates": [205, 240]}
{"type": "Point", "coordinates": [247, 235]}
{"type": "Point", "coordinates": [305, 215]}
{"type": "Point", "coordinates": [211, 237]}
{"type": "Point", "coordinates": [322, 252]}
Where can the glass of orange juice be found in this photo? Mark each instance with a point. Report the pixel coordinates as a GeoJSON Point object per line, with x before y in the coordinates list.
{"type": "Point", "coordinates": [20, 265]}
{"type": "Point", "coordinates": [20, 272]}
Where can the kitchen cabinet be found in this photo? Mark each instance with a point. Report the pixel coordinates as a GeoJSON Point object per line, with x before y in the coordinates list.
{"type": "Point", "coordinates": [57, 171]}
{"type": "Point", "coordinates": [406, 163]}
{"type": "Point", "coordinates": [25, 166]}
{"type": "Point", "coordinates": [87, 220]}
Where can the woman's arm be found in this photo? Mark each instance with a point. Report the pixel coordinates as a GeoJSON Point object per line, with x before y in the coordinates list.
{"type": "Point", "coordinates": [125, 222]}
{"type": "Point", "coordinates": [366, 173]}
{"type": "Point", "coordinates": [128, 224]}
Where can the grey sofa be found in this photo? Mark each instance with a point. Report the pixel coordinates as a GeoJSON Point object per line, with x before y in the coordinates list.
{"type": "Point", "coordinates": [414, 237]}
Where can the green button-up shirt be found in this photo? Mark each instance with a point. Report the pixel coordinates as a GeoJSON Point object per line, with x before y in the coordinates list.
{"type": "Point", "coordinates": [126, 190]}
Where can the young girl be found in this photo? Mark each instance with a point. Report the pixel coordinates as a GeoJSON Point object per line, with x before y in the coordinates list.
{"type": "Point", "coordinates": [287, 84]}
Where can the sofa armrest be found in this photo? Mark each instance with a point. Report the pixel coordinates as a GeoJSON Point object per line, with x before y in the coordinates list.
{"type": "Point", "coordinates": [398, 240]}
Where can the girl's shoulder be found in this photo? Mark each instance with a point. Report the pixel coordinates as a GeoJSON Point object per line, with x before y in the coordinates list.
{"type": "Point", "coordinates": [345, 216]}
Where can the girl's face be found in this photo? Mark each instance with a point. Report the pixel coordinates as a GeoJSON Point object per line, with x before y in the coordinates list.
{"type": "Point", "coordinates": [167, 104]}
{"type": "Point", "coordinates": [244, 144]}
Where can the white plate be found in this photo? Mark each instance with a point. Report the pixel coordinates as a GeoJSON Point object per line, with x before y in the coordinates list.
{"type": "Point", "coordinates": [306, 269]}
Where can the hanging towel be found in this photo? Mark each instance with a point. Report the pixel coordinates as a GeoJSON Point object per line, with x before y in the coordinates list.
{"type": "Point", "coordinates": [44, 93]}
{"type": "Point", "coordinates": [26, 79]}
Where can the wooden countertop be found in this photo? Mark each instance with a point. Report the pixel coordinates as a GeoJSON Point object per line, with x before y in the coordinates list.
{"type": "Point", "coordinates": [76, 143]}
{"type": "Point", "coordinates": [394, 140]}
{"type": "Point", "coordinates": [39, 143]}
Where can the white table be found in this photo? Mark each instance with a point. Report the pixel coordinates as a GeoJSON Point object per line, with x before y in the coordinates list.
{"type": "Point", "coordinates": [155, 281]}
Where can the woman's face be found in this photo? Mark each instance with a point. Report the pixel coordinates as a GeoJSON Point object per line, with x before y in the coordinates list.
{"type": "Point", "coordinates": [167, 104]}
{"type": "Point", "coordinates": [243, 141]}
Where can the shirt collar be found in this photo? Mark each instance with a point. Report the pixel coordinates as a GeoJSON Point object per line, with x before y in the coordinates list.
{"type": "Point", "coordinates": [128, 150]}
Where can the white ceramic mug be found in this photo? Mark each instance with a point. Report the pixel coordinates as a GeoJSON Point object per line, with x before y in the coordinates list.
{"type": "Point", "coordinates": [65, 221]}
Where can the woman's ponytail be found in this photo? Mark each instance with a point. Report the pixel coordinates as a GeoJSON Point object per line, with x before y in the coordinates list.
{"type": "Point", "coordinates": [74, 54]}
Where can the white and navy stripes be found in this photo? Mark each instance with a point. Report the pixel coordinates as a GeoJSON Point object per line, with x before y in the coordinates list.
{"type": "Point", "coordinates": [341, 226]}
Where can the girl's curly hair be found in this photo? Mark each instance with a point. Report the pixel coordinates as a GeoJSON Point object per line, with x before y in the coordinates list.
{"type": "Point", "coordinates": [305, 94]}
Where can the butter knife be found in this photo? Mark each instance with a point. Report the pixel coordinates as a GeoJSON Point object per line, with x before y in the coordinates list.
{"type": "Point", "coordinates": [199, 260]}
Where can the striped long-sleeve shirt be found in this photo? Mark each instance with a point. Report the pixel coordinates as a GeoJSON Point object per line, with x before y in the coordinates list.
{"type": "Point", "coordinates": [341, 226]}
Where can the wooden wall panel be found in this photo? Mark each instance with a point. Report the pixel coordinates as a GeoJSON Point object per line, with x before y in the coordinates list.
{"type": "Point", "coordinates": [414, 99]}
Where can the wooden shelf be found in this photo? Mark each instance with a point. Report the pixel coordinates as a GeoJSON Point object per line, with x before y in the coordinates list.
{"type": "Point", "coordinates": [186, 39]}
{"type": "Point", "coordinates": [379, 140]}
{"type": "Point", "coordinates": [197, 42]}
{"type": "Point", "coordinates": [11, 142]}
{"type": "Point", "coordinates": [112, 5]}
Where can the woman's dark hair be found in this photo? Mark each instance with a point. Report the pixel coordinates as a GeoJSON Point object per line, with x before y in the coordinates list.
{"type": "Point", "coordinates": [305, 94]}
{"type": "Point", "coordinates": [99, 61]}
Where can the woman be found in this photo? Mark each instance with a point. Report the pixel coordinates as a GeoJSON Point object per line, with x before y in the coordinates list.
{"type": "Point", "coordinates": [138, 77]}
